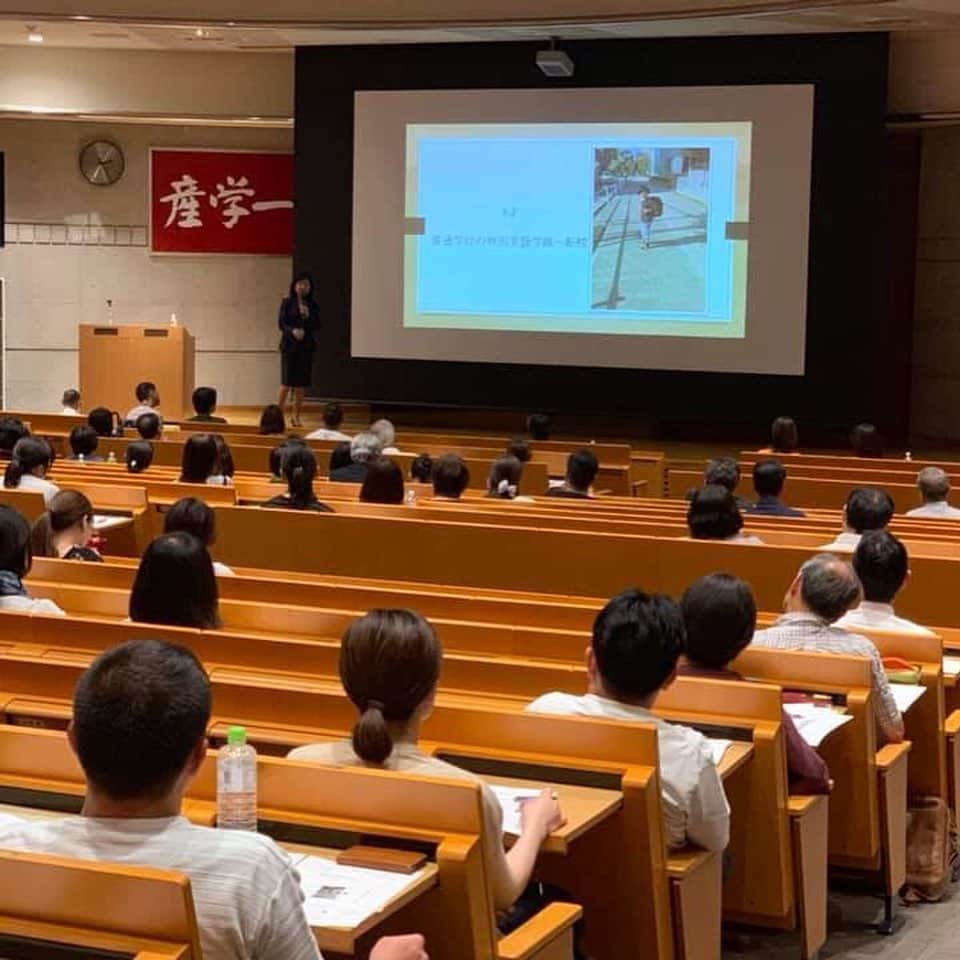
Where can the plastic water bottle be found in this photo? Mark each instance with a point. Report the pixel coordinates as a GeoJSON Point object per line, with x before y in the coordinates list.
{"type": "Point", "coordinates": [909, 456]}
{"type": "Point", "coordinates": [112, 457]}
{"type": "Point", "coordinates": [81, 458]}
{"type": "Point", "coordinates": [411, 497]}
{"type": "Point", "coordinates": [237, 783]}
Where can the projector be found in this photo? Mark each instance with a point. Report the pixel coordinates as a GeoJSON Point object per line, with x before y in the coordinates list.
{"type": "Point", "coordinates": [554, 63]}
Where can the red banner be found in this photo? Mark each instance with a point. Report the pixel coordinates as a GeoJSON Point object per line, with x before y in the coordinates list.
{"type": "Point", "coordinates": [220, 201]}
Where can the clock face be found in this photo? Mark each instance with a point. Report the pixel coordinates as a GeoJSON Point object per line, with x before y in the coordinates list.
{"type": "Point", "coordinates": [102, 163]}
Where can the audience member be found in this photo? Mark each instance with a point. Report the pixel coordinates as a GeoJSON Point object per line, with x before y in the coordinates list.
{"type": "Point", "coordinates": [451, 477]}
{"type": "Point", "coordinates": [245, 888]}
{"type": "Point", "coordinates": [16, 558]}
{"type": "Point", "coordinates": [713, 515]}
{"type": "Point", "coordinates": [175, 584]}
{"type": "Point", "coordinates": [867, 508]}
{"type": "Point", "coordinates": [520, 448]}
{"type": "Point", "coordinates": [385, 432]}
{"type": "Point", "coordinates": [538, 426]}
{"type": "Point", "coordinates": [784, 437]}
{"type": "Point", "coordinates": [201, 461]}
{"type": "Point", "coordinates": [149, 426]}
{"type": "Point", "coordinates": [389, 667]}
{"type": "Point", "coordinates": [225, 468]}
{"type": "Point", "coordinates": [70, 402]}
{"type": "Point", "coordinates": [103, 421]}
{"type": "Point", "coordinates": [934, 486]}
{"type": "Point", "coordinates": [866, 441]}
{"type": "Point", "coordinates": [275, 459]}
{"type": "Point", "coordinates": [332, 419]}
{"type": "Point", "coordinates": [769, 477]}
{"type": "Point", "coordinates": [340, 458]}
{"type": "Point", "coordinates": [299, 470]}
{"type": "Point", "coordinates": [503, 481]}
{"type": "Point", "coordinates": [272, 421]}
{"type": "Point", "coordinates": [364, 448]}
{"type": "Point", "coordinates": [205, 405]}
{"type": "Point", "coordinates": [582, 467]}
{"type": "Point", "coordinates": [83, 443]}
{"type": "Point", "coordinates": [725, 472]}
{"type": "Point", "coordinates": [11, 431]}
{"type": "Point", "coordinates": [883, 567]}
{"type": "Point", "coordinates": [720, 616]}
{"type": "Point", "coordinates": [421, 469]}
{"type": "Point", "coordinates": [637, 640]}
{"type": "Point", "coordinates": [147, 400]}
{"type": "Point", "coordinates": [28, 467]}
{"type": "Point", "coordinates": [383, 483]}
{"type": "Point", "coordinates": [821, 593]}
{"type": "Point", "coordinates": [191, 515]}
{"type": "Point", "coordinates": [64, 530]}
{"type": "Point", "coordinates": [139, 456]}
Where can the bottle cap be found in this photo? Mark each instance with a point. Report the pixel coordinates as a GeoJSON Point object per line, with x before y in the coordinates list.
{"type": "Point", "coordinates": [237, 735]}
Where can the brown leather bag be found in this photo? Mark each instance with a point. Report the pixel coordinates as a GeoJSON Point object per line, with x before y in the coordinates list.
{"type": "Point", "coordinates": [931, 850]}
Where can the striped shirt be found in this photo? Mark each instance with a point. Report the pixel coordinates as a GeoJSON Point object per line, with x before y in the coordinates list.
{"type": "Point", "coordinates": [246, 891]}
{"type": "Point", "coordinates": [806, 631]}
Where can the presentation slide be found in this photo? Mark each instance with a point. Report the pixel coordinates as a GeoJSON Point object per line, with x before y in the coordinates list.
{"type": "Point", "coordinates": [648, 228]}
{"type": "Point", "coordinates": [592, 228]}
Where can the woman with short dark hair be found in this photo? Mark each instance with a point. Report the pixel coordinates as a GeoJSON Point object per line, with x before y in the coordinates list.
{"type": "Point", "coordinates": [175, 584]}
{"type": "Point", "coordinates": [191, 515]}
{"type": "Point", "coordinates": [713, 515]}
{"type": "Point", "coordinates": [16, 558]}
{"type": "Point", "coordinates": [383, 483]}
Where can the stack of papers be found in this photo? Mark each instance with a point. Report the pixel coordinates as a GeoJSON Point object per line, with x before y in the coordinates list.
{"type": "Point", "coordinates": [719, 748]}
{"type": "Point", "coordinates": [338, 896]}
{"type": "Point", "coordinates": [510, 801]}
{"type": "Point", "coordinates": [813, 722]}
{"type": "Point", "coordinates": [907, 694]}
{"type": "Point", "coordinates": [951, 666]}
{"type": "Point", "coordinates": [103, 522]}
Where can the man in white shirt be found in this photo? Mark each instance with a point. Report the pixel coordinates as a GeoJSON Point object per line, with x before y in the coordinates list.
{"type": "Point", "coordinates": [821, 593]}
{"type": "Point", "coordinates": [332, 418]}
{"type": "Point", "coordinates": [147, 400]}
{"type": "Point", "coordinates": [637, 640]}
{"type": "Point", "coordinates": [140, 715]}
{"type": "Point", "coordinates": [71, 403]}
{"type": "Point", "coordinates": [867, 508]}
{"type": "Point", "coordinates": [882, 565]}
{"type": "Point", "coordinates": [934, 486]}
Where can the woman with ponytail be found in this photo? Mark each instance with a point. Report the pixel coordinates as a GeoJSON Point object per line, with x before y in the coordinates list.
{"type": "Point", "coordinates": [65, 529]}
{"type": "Point", "coordinates": [28, 467]}
{"type": "Point", "coordinates": [16, 559]}
{"type": "Point", "coordinates": [299, 469]}
{"type": "Point", "coordinates": [389, 667]}
{"type": "Point", "coordinates": [139, 456]}
{"type": "Point", "coordinates": [503, 481]}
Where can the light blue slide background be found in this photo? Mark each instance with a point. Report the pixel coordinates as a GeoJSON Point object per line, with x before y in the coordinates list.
{"type": "Point", "coordinates": [508, 227]}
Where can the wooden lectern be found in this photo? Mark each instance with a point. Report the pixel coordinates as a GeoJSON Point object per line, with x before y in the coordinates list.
{"type": "Point", "coordinates": [113, 360]}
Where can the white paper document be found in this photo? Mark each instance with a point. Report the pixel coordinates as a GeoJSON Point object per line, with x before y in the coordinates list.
{"type": "Point", "coordinates": [510, 798]}
{"type": "Point", "coordinates": [951, 666]}
{"type": "Point", "coordinates": [719, 748]}
{"type": "Point", "coordinates": [907, 694]}
{"type": "Point", "coordinates": [103, 522]}
{"type": "Point", "coordinates": [339, 896]}
{"type": "Point", "coordinates": [815, 723]}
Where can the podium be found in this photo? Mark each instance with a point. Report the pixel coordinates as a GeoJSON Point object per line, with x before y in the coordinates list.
{"type": "Point", "coordinates": [113, 360]}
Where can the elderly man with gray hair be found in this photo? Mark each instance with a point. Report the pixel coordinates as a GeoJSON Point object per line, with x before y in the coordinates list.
{"type": "Point", "coordinates": [825, 588]}
{"type": "Point", "coordinates": [934, 486]}
{"type": "Point", "coordinates": [364, 448]}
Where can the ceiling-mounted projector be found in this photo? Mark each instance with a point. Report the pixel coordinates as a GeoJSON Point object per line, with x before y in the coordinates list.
{"type": "Point", "coordinates": [554, 63]}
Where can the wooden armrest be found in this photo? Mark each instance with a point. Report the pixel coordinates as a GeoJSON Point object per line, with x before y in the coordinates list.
{"type": "Point", "coordinates": [538, 931]}
{"type": "Point", "coordinates": [951, 726]}
{"type": "Point", "coordinates": [893, 753]}
{"type": "Point", "coordinates": [802, 806]}
{"type": "Point", "coordinates": [687, 861]}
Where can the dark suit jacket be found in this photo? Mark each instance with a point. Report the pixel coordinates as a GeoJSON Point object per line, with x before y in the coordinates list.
{"type": "Point", "coordinates": [774, 507]}
{"type": "Point", "coordinates": [351, 473]}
